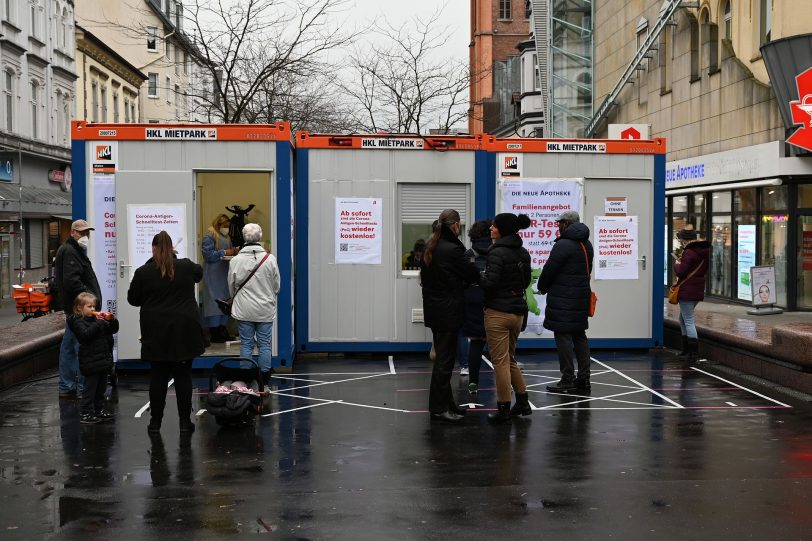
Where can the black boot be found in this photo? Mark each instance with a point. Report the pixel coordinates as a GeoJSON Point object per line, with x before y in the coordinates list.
{"type": "Point", "coordinates": [454, 408]}
{"type": "Point", "coordinates": [225, 334]}
{"type": "Point", "coordinates": [501, 415]}
{"type": "Point", "coordinates": [154, 426]}
{"type": "Point", "coordinates": [693, 352]}
{"type": "Point", "coordinates": [522, 406]}
{"type": "Point", "coordinates": [216, 335]}
{"type": "Point", "coordinates": [447, 417]}
{"type": "Point", "coordinates": [186, 425]}
{"type": "Point", "coordinates": [563, 386]}
{"type": "Point", "coordinates": [582, 385]}
{"type": "Point", "coordinates": [683, 353]}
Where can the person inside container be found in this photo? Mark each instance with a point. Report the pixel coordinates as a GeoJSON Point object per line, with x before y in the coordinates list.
{"type": "Point", "coordinates": [216, 246]}
{"type": "Point", "coordinates": [413, 258]}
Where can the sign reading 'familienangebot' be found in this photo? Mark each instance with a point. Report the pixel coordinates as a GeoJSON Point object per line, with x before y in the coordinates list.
{"type": "Point", "coordinates": [182, 134]}
{"type": "Point", "coordinates": [359, 230]}
{"type": "Point", "coordinates": [392, 143]}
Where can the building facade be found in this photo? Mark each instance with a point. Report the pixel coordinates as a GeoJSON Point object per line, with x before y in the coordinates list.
{"type": "Point", "coordinates": [703, 84]}
{"type": "Point", "coordinates": [37, 78]}
{"type": "Point", "coordinates": [497, 27]}
{"type": "Point", "coordinates": [147, 34]}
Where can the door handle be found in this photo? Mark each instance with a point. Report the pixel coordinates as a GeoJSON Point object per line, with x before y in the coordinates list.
{"type": "Point", "coordinates": [122, 266]}
{"type": "Point", "coordinates": [643, 259]}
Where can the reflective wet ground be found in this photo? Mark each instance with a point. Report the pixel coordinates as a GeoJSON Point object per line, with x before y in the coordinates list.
{"type": "Point", "coordinates": [347, 451]}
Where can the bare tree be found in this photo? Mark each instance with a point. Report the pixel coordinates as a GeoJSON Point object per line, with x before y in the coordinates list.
{"type": "Point", "coordinates": [258, 55]}
{"type": "Point", "coordinates": [407, 84]}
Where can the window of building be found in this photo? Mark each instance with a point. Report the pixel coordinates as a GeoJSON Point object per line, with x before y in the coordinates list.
{"type": "Point", "coordinates": [642, 71]}
{"type": "Point", "coordinates": [523, 84]}
{"type": "Point", "coordinates": [35, 102]}
{"type": "Point", "coordinates": [34, 19]}
{"type": "Point", "coordinates": [168, 9]}
{"type": "Point", "coordinates": [179, 15]}
{"type": "Point", "coordinates": [177, 60]}
{"type": "Point", "coordinates": [666, 58]}
{"type": "Point", "coordinates": [728, 22]}
{"type": "Point", "coordinates": [528, 9]}
{"type": "Point", "coordinates": [504, 9]}
{"type": "Point", "coordinates": [177, 102]}
{"type": "Point", "coordinates": [710, 43]}
{"type": "Point", "coordinates": [8, 13]}
{"type": "Point", "coordinates": [104, 102]}
{"type": "Point", "coordinates": [420, 205]}
{"type": "Point", "coordinates": [94, 103]}
{"type": "Point", "coordinates": [34, 245]}
{"type": "Point", "coordinates": [132, 112]}
{"type": "Point", "coordinates": [694, 26]}
{"type": "Point", "coordinates": [152, 85]}
{"type": "Point", "coordinates": [168, 50]}
{"type": "Point", "coordinates": [535, 72]}
{"type": "Point", "coordinates": [66, 115]}
{"type": "Point", "coordinates": [115, 108]}
{"type": "Point", "coordinates": [185, 62]}
{"type": "Point", "coordinates": [63, 27]}
{"type": "Point", "coordinates": [8, 95]}
{"type": "Point", "coordinates": [168, 89]}
{"type": "Point", "coordinates": [765, 21]}
{"type": "Point", "coordinates": [152, 39]}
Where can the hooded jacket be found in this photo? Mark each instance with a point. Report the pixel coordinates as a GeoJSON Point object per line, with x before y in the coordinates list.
{"type": "Point", "coordinates": [565, 281]}
{"type": "Point", "coordinates": [256, 301]}
{"type": "Point", "coordinates": [443, 283]}
{"type": "Point", "coordinates": [507, 275]}
{"type": "Point", "coordinates": [695, 253]}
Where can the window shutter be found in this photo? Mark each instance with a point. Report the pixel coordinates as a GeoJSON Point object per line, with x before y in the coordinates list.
{"type": "Point", "coordinates": [34, 245]}
{"type": "Point", "coordinates": [423, 203]}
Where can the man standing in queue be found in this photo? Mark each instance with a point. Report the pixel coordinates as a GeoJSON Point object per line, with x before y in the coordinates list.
{"type": "Point", "coordinates": [73, 275]}
{"type": "Point", "coordinates": [565, 280]}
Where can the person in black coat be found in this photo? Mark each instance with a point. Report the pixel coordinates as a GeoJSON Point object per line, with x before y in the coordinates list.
{"type": "Point", "coordinates": [444, 273]}
{"type": "Point", "coordinates": [95, 331]}
{"type": "Point", "coordinates": [565, 281]}
{"type": "Point", "coordinates": [171, 332]}
{"type": "Point", "coordinates": [474, 326]}
{"type": "Point", "coordinates": [507, 275]}
{"type": "Point", "coordinates": [73, 274]}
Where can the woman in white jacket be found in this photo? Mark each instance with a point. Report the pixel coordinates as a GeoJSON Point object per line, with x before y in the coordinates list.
{"type": "Point", "coordinates": [254, 305]}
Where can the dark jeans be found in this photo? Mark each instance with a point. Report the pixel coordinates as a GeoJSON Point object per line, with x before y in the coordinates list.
{"type": "Point", "coordinates": [93, 395]}
{"type": "Point", "coordinates": [475, 350]}
{"type": "Point", "coordinates": [161, 373]}
{"type": "Point", "coordinates": [445, 346]}
{"type": "Point", "coordinates": [573, 347]}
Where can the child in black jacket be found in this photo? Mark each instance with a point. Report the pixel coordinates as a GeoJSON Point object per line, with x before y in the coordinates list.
{"type": "Point", "coordinates": [94, 331]}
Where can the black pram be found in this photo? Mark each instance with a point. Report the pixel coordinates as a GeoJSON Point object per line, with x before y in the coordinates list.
{"type": "Point", "coordinates": [236, 392]}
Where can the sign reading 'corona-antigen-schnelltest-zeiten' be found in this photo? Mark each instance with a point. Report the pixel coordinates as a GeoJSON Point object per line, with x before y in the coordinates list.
{"type": "Point", "coordinates": [359, 230]}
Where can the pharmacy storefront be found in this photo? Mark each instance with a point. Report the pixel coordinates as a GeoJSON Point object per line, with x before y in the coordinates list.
{"type": "Point", "coordinates": [754, 205]}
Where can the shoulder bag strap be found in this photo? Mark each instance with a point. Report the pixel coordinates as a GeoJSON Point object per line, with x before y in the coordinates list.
{"type": "Point", "coordinates": [586, 258]}
{"type": "Point", "coordinates": [251, 275]}
{"type": "Point", "coordinates": [696, 269]}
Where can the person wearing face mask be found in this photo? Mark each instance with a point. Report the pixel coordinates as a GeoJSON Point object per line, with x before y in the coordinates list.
{"type": "Point", "coordinates": [73, 275]}
{"type": "Point", "coordinates": [216, 245]}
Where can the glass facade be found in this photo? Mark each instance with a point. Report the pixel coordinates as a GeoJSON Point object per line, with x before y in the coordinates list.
{"type": "Point", "coordinates": [765, 226]}
{"type": "Point", "coordinates": [570, 67]}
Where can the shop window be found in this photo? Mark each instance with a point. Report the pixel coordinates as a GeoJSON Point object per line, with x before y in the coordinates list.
{"type": "Point", "coordinates": [745, 231]}
{"type": "Point", "coordinates": [744, 200]}
{"type": "Point", "coordinates": [697, 215]}
{"type": "Point", "coordinates": [152, 39]}
{"type": "Point", "coordinates": [773, 198]}
{"type": "Point", "coordinates": [721, 240]}
{"type": "Point", "coordinates": [420, 205]}
{"type": "Point", "coordinates": [804, 251]}
{"type": "Point", "coordinates": [774, 251]}
{"type": "Point", "coordinates": [721, 202]}
{"type": "Point", "coordinates": [34, 234]}
{"type": "Point", "coordinates": [504, 9]}
{"type": "Point", "coordinates": [679, 203]}
{"type": "Point", "coordinates": [805, 196]}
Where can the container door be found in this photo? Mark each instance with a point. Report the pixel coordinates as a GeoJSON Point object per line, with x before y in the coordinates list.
{"type": "Point", "coordinates": [146, 203]}
{"type": "Point", "coordinates": [624, 305]}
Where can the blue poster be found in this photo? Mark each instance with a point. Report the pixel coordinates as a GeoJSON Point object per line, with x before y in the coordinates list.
{"type": "Point", "coordinates": [6, 168]}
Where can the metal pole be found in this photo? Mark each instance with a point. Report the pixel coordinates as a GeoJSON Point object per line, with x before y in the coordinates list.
{"type": "Point", "coordinates": [20, 210]}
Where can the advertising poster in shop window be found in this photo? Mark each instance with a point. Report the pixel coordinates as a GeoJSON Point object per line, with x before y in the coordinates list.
{"type": "Point", "coordinates": [543, 200]}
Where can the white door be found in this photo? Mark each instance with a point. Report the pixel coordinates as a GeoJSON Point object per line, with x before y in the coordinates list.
{"type": "Point", "coordinates": [148, 202]}
{"type": "Point", "coordinates": [624, 306]}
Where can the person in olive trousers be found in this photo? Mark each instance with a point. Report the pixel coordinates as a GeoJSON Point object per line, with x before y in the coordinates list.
{"type": "Point", "coordinates": [171, 332]}
{"type": "Point", "coordinates": [444, 274]}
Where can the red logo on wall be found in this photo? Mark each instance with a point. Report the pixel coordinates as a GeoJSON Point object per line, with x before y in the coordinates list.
{"type": "Point", "coordinates": [630, 133]}
{"type": "Point", "coordinates": [802, 112]}
{"type": "Point", "coordinates": [104, 152]}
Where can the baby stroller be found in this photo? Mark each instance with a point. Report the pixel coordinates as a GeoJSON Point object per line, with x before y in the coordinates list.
{"type": "Point", "coordinates": [236, 392]}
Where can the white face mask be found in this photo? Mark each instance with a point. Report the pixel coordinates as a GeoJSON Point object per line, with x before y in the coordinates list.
{"type": "Point", "coordinates": [224, 231]}
{"type": "Point", "coordinates": [84, 242]}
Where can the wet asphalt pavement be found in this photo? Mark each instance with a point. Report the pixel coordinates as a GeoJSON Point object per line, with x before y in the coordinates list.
{"type": "Point", "coordinates": [348, 452]}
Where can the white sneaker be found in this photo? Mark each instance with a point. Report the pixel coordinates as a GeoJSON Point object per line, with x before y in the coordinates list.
{"type": "Point", "coordinates": [463, 371]}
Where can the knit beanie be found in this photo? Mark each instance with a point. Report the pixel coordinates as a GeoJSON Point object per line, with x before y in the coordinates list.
{"type": "Point", "coordinates": [509, 224]}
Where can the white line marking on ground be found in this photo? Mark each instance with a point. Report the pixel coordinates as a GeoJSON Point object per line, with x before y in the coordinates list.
{"type": "Point", "coordinates": [488, 362]}
{"type": "Point", "coordinates": [392, 365]}
{"type": "Point", "coordinates": [200, 412]}
{"type": "Point", "coordinates": [731, 404]}
{"type": "Point", "coordinates": [301, 408]}
{"type": "Point", "coordinates": [145, 407]}
{"type": "Point", "coordinates": [345, 403]}
{"type": "Point", "coordinates": [742, 388]}
{"type": "Point", "coordinates": [610, 398]}
{"type": "Point", "coordinates": [649, 389]}
{"type": "Point", "coordinates": [337, 381]}
{"type": "Point", "coordinates": [532, 406]}
{"type": "Point", "coordinates": [299, 379]}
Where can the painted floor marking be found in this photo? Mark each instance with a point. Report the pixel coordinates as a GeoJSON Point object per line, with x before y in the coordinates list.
{"type": "Point", "coordinates": [337, 381]}
{"type": "Point", "coordinates": [145, 407]}
{"type": "Point", "coordinates": [611, 398]}
{"type": "Point", "coordinates": [649, 389]}
{"type": "Point", "coordinates": [392, 365]}
{"type": "Point", "coordinates": [300, 379]}
{"type": "Point", "coordinates": [311, 406]}
{"type": "Point", "coordinates": [742, 388]}
{"type": "Point", "coordinates": [487, 361]}
{"type": "Point", "coordinates": [344, 402]}
{"type": "Point", "coordinates": [731, 404]}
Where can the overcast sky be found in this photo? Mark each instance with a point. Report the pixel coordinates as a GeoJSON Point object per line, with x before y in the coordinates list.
{"type": "Point", "coordinates": [455, 17]}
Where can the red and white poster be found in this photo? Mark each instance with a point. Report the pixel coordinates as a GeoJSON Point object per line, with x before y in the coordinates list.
{"type": "Point", "coordinates": [359, 230]}
{"type": "Point", "coordinates": [807, 251]}
{"type": "Point", "coordinates": [616, 242]}
{"type": "Point", "coordinates": [543, 200]}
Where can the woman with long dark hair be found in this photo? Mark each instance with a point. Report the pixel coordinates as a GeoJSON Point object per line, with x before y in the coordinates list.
{"type": "Point", "coordinates": [505, 281]}
{"type": "Point", "coordinates": [444, 273]}
{"type": "Point", "coordinates": [171, 333]}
